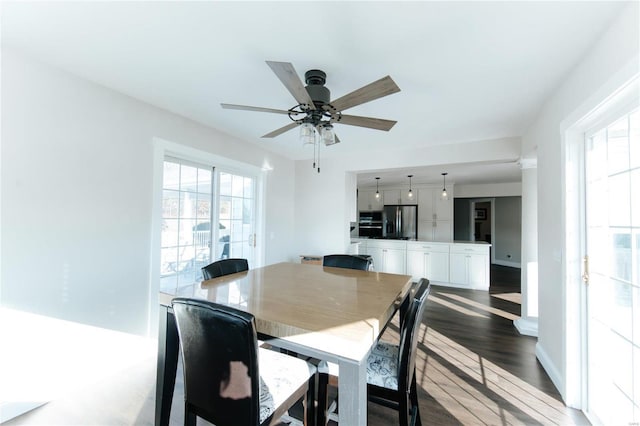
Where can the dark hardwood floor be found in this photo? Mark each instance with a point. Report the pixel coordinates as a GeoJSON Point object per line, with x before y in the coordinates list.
{"type": "Point", "coordinates": [473, 368]}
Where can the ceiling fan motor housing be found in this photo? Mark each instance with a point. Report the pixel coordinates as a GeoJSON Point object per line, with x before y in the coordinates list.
{"type": "Point", "coordinates": [315, 80]}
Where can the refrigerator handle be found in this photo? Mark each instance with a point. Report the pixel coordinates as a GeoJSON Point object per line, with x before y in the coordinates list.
{"type": "Point", "coordinates": [399, 222]}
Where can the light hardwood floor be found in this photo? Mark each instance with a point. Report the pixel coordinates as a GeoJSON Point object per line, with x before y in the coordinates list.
{"type": "Point", "coordinates": [473, 368]}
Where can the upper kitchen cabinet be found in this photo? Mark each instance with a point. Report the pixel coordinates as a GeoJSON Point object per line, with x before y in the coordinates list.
{"type": "Point", "coordinates": [399, 196]}
{"type": "Point", "coordinates": [367, 200]}
{"type": "Point", "coordinates": [431, 206]}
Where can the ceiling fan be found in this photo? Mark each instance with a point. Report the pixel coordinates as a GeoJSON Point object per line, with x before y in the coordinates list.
{"type": "Point", "coordinates": [315, 112]}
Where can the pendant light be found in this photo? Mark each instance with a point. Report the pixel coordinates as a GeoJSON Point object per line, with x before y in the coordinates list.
{"type": "Point", "coordinates": [410, 194]}
{"type": "Point", "coordinates": [444, 195]}
{"type": "Point", "coordinates": [377, 192]}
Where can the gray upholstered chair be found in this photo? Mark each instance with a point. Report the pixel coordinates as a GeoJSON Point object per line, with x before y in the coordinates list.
{"type": "Point", "coordinates": [391, 373]}
{"type": "Point", "coordinates": [228, 379]}
{"type": "Point", "coordinates": [224, 267]}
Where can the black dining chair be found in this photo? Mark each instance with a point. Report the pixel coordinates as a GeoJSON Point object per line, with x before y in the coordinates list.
{"type": "Point", "coordinates": [348, 261]}
{"type": "Point", "coordinates": [391, 373]}
{"type": "Point", "coordinates": [228, 379]}
{"type": "Point", "coordinates": [224, 267]}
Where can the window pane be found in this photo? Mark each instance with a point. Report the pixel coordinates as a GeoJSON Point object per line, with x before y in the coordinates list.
{"type": "Point", "coordinates": [188, 178]}
{"type": "Point", "coordinates": [621, 256]}
{"type": "Point", "coordinates": [236, 204]}
{"type": "Point", "coordinates": [225, 184]}
{"type": "Point", "coordinates": [188, 206]}
{"type": "Point", "coordinates": [618, 146]}
{"type": "Point", "coordinates": [171, 175]}
{"type": "Point", "coordinates": [204, 181]}
{"type": "Point", "coordinates": [237, 186]}
{"type": "Point", "coordinates": [598, 150]}
{"type": "Point", "coordinates": [619, 198]}
{"type": "Point", "coordinates": [248, 187]}
{"type": "Point", "coordinates": [203, 206]}
{"type": "Point", "coordinates": [635, 198]}
{"type": "Point", "coordinates": [634, 138]}
{"type": "Point", "coordinates": [225, 208]}
{"type": "Point", "coordinates": [169, 236]}
{"type": "Point", "coordinates": [170, 203]}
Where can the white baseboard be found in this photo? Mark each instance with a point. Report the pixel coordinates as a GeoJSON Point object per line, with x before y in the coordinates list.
{"type": "Point", "coordinates": [551, 370]}
{"type": "Point", "coordinates": [527, 326]}
{"type": "Point", "coordinates": [507, 263]}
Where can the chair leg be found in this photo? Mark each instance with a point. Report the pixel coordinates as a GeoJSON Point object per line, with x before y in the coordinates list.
{"type": "Point", "coordinates": [321, 409]}
{"type": "Point", "coordinates": [413, 398]}
{"type": "Point", "coordinates": [189, 416]}
{"type": "Point", "coordinates": [309, 403]}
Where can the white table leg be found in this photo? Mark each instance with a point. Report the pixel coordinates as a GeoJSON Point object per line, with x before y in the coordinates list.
{"type": "Point", "coordinates": [352, 393]}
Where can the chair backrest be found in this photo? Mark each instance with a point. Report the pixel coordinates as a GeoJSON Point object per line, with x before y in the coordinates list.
{"type": "Point", "coordinates": [224, 267]}
{"type": "Point", "coordinates": [409, 334]}
{"type": "Point", "coordinates": [219, 350]}
{"type": "Point", "coordinates": [347, 261]}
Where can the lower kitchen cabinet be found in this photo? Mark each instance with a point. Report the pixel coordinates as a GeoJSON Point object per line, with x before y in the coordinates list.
{"type": "Point", "coordinates": [459, 264]}
{"type": "Point", "coordinates": [469, 266]}
{"type": "Point", "coordinates": [426, 260]}
{"type": "Point", "coordinates": [388, 256]}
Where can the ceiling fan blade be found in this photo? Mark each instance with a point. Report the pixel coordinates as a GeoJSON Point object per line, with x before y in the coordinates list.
{"type": "Point", "coordinates": [383, 87]}
{"type": "Point", "coordinates": [281, 130]}
{"type": "Point", "coordinates": [370, 122]}
{"type": "Point", "coordinates": [252, 108]}
{"type": "Point", "coordinates": [289, 77]}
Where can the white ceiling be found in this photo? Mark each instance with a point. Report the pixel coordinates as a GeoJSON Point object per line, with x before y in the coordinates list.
{"type": "Point", "coordinates": [467, 70]}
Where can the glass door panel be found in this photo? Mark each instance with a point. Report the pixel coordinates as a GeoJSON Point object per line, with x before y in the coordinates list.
{"type": "Point", "coordinates": [236, 217]}
{"type": "Point", "coordinates": [613, 293]}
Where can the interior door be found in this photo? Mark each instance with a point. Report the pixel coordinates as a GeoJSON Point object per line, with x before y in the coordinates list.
{"type": "Point", "coordinates": [612, 256]}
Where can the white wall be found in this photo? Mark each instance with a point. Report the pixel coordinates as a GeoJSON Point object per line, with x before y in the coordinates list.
{"type": "Point", "coordinates": [77, 186]}
{"type": "Point", "coordinates": [611, 62]}
{"type": "Point", "coordinates": [512, 189]}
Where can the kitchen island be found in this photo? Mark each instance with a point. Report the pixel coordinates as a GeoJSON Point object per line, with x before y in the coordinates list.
{"type": "Point", "coordinates": [463, 264]}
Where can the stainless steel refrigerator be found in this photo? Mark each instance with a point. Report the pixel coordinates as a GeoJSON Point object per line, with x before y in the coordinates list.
{"type": "Point", "coordinates": [400, 222]}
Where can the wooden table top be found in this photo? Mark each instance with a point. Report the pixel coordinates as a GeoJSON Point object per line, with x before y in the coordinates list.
{"type": "Point", "coordinates": [336, 310]}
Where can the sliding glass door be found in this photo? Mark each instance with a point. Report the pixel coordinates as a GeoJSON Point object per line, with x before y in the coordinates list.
{"type": "Point", "coordinates": [612, 271]}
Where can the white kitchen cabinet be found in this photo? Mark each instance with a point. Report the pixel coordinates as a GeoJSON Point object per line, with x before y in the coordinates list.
{"type": "Point", "coordinates": [434, 230]}
{"type": "Point", "coordinates": [431, 206]}
{"type": "Point", "coordinates": [392, 196]}
{"type": "Point", "coordinates": [469, 266]}
{"type": "Point", "coordinates": [428, 260]}
{"type": "Point", "coordinates": [400, 196]}
{"type": "Point", "coordinates": [367, 201]}
{"type": "Point", "coordinates": [388, 256]}
{"type": "Point", "coordinates": [435, 215]}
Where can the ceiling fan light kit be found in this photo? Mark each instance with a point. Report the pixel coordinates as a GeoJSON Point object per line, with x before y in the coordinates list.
{"type": "Point", "coordinates": [315, 112]}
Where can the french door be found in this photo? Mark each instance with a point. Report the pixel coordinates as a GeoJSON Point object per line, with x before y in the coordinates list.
{"type": "Point", "coordinates": [236, 230]}
{"type": "Point", "coordinates": [612, 271]}
{"type": "Point", "coordinates": [207, 215]}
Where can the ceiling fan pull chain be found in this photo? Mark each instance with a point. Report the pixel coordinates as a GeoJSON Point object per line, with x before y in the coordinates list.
{"type": "Point", "coordinates": [319, 143]}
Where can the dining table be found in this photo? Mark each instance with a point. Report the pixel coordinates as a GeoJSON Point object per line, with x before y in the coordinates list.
{"type": "Point", "coordinates": [327, 313]}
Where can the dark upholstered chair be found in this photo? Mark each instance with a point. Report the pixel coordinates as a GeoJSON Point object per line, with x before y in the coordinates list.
{"type": "Point", "coordinates": [228, 379]}
{"type": "Point", "coordinates": [391, 372]}
{"type": "Point", "coordinates": [224, 267]}
{"type": "Point", "coordinates": [347, 261]}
